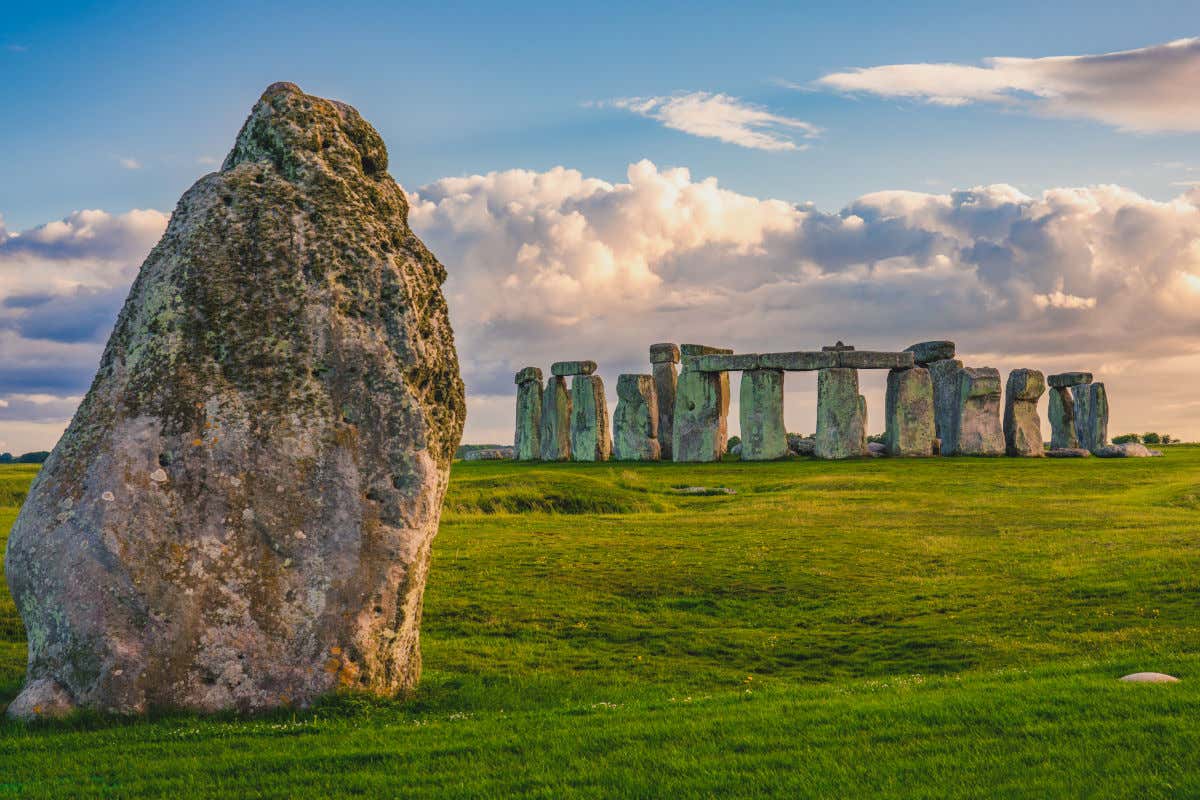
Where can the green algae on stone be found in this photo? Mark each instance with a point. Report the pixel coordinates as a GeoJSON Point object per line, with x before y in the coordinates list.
{"type": "Point", "coordinates": [760, 413]}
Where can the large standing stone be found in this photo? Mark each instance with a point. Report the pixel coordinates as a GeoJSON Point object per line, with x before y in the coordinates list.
{"type": "Point", "coordinates": [663, 358]}
{"type": "Point", "coordinates": [701, 424]}
{"type": "Point", "coordinates": [909, 428]}
{"type": "Point", "coordinates": [241, 512]}
{"type": "Point", "coordinates": [976, 426]}
{"type": "Point", "coordinates": [590, 438]}
{"type": "Point", "coordinates": [1061, 411]}
{"type": "Point", "coordinates": [1091, 415]}
{"type": "Point", "coordinates": [760, 408]}
{"type": "Point", "coordinates": [635, 423]}
{"type": "Point", "coordinates": [944, 375]}
{"type": "Point", "coordinates": [527, 444]}
{"type": "Point", "coordinates": [1022, 425]}
{"type": "Point", "coordinates": [841, 415]}
{"type": "Point", "coordinates": [555, 433]}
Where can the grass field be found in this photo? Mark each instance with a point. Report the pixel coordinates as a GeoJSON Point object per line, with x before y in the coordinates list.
{"type": "Point", "coordinates": [879, 628]}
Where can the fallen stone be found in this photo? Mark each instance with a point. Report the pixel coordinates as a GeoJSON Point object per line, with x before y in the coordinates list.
{"type": "Point", "coordinates": [841, 426]}
{"type": "Point", "coordinates": [527, 441]}
{"type": "Point", "coordinates": [977, 430]}
{"type": "Point", "coordinates": [726, 363]}
{"type": "Point", "coordinates": [703, 490]}
{"type": "Point", "coordinates": [876, 449]}
{"type": "Point", "coordinates": [590, 436]}
{"type": "Point", "coordinates": [1127, 450]}
{"type": "Point", "coordinates": [1068, 452]}
{"type": "Point", "coordinates": [664, 353]}
{"type": "Point", "coordinates": [635, 422]}
{"type": "Point", "coordinates": [555, 432]}
{"type": "Point", "coordinates": [1022, 423]}
{"type": "Point", "coordinates": [1091, 415]}
{"type": "Point", "coordinates": [1064, 380]}
{"type": "Point", "coordinates": [286, 359]}
{"type": "Point", "coordinates": [1061, 411]}
{"type": "Point", "coordinates": [568, 369]}
{"type": "Point", "coordinates": [798, 361]}
{"type": "Point", "coordinates": [701, 415]}
{"type": "Point", "coordinates": [908, 420]}
{"type": "Point", "coordinates": [927, 352]}
{"type": "Point", "coordinates": [1149, 677]}
{"type": "Point", "coordinates": [489, 454]}
{"type": "Point", "coordinates": [944, 375]}
{"type": "Point", "coordinates": [801, 445]}
{"type": "Point", "coordinates": [760, 409]}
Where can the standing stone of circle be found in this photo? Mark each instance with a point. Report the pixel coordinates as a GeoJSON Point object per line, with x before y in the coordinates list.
{"type": "Point", "coordinates": [240, 514]}
{"type": "Point", "coordinates": [841, 410]}
{"type": "Point", "coordinates": [976, 428]}
{"type": "Point", "coordinates": [909, 428]}
{"type": "Point", "coordinates": [1091, 415]}
{"type": "Point", "coordinates": [944, 375]}
{"type": "Point", "coordinates": [1022, 424]}
{"type": "Point", "coordinates": [663, 358]}
{"type": "Point", "coordinates": [590, 437]}
{"type": "Point", "coordinates": [527, 443]}
{"type": "Point", "coordinates": [701, 408]}
{"type": "Point", "coordinates": [635, 423]}
{"type": "Point", "coordinates": [555, 434]}
{"type": "Point", "coordinates": [1062, 408]}
{"type": "Point", "coordinates": [764, 436]}
{"type": "Point", "coordinates": [925, 353]}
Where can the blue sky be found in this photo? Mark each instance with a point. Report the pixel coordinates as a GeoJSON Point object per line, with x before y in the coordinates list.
{"type": "Point", "coordinates": [1072, 241]}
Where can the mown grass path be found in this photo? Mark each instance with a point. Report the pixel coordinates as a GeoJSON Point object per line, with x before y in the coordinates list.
{"type": "Point", "coordinates": [887, 628]}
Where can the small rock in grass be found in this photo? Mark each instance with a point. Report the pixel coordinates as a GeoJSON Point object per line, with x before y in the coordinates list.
{"type": "Point", "coordinates": [1068, 452]}
{"type": "Point", "coordinates": [704, 490]}
{"type": "Point", "coordinates": [1149, 677]}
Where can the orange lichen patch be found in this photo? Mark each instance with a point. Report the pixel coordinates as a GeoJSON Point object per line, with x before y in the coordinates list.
{"type": "Point", "coordinates": [337, 651]}
{"type": "Point", "coordinates": [333, 665]}
{"type": "Point", "coordinates": [197, 442]}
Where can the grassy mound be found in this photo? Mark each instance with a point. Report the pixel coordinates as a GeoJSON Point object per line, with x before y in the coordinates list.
{"type": "Point", "coordinates": [883, 628]}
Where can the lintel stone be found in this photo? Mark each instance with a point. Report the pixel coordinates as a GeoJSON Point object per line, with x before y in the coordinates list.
{"type": "Point", "coordinates": [1065, 379]}
{"type": "Point", "coordinates": [527, 375]}
{"type": "Point", "coordinates": [726, 363]}
{"type": "Point", "coordinates": [568, 368]}
{"type": "Point", "coordinates": [696, 350]}
{"type": "Point", "coordinates": [664, 353]}
{"type": "Point", "coordinates": [928, 352]}
{"type": "Point", "coordinates": [870, 359]}
{"type": "Point", "coordinates": [798, 361]}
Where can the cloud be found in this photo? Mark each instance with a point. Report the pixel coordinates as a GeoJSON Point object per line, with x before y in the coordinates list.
{"type": "Point", "coordinates": [127, 162]}
{"type": "Point", "coordinates": [1148, 89]}
{"type": "Point", "coordinates": [719, 116]}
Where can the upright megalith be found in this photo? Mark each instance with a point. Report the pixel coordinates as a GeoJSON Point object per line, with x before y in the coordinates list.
{"type": "Point", "coordinates": [527, 444]}
{"type": "Point", "coordinates": [1061, 408]}
{"type": "Point", "coordinates": [975, 428]}
{"type": "Point", "coordinates": [241, 512]}
{"type": "Point", "coordinates": [663, 358]}
{"type": "Point", "coordinates": [635, 423]}
{"type": "Point", "coordinates": [760, 411]}
{"type": "Point", "coordinates": [909, 427]}
{"type": "Point", "coordinates": [701, 408]}
{"type": "Point", "coordinates": [1022, 425]}
{"type": "Point", "coordinates": [555, 431]}
{"type": "Point", "coordinates": [1091, 415]}
{"type": "Point", "coordinates": [938, 357]}
{"type": "Point", "coordinates": [841, 410]}
{"type": "Point", "coordinates": [590, 437]}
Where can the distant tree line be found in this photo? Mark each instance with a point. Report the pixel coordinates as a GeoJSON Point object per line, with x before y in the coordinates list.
{"type": "Point", "coordinates": [1145, 438]}
{"type": "Point", "coordinates": [36, 457]}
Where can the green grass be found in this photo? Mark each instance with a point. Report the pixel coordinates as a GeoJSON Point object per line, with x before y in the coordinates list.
{"type": "Point", "coordinates": [883, 628]}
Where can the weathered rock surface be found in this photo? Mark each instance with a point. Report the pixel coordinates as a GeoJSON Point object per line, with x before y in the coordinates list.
{"type": "Point", "coordinates": [841, 418]}
{"type": "Point", "coordinates": [1068, 452]}
{"type": "Point", "coordinates": [800, 445]}
{"type": "Point", "coordinates": [555, 432]}
{"type": "Point", "coordinates": [566, 369]}
{"type": "Point", "coordinates": [687, 351]}
{"type": "Point", "coordinates": [1061, 410]}
{"type": "Point", "coordinates": [908, 427]}
{"type": "Point", "coordinates": [760, 412]}
{"type": "Point", "coordinates": [944, 375]}
{"type": "Point", "coordinates": [527, 441]}
{"type": "Point", "coordinates": [870, 359]}
{"type": "Point", "coordinates": [241, 512]}
{"type": "Point", "coordinates": [701, 413]}
{"type": "Point", "coordinates": [1127, 450]}
{"type": "Point", "coordinates": [590, 436]}
{"type": "Point", "coordinates": [635, 422]}
{"type": "Point", "coordinates": [1022, 423]}
{"type": "Point", "coordinates": [664, 353]}
{"type": "Point", "coordinates": [927, 352]}
{"type": "Point", "coordinates": [490, 454]}
{"type": "Point", "coordinates": [1091, 415]}
{"type": "Point", "coordinates": [665, 378]}
{"type": "Point", "coordinates": [876, 449]}
{"type": "Point", "coordinates": [976, 427]}
{"type": "Point", "coordinates": [1064, 380]}
{"type": "Point", "coordinates": [1148, 677]}
{"type": "Point", "coordinates": [726, 362]}
{"type": "Point", "coordinates": [798, 361]}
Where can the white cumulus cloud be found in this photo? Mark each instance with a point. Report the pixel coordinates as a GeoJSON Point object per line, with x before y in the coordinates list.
{"type": "Point", "coordinates": [719, 116]}
{"type": "Point", "coordinates": [1153, 88]}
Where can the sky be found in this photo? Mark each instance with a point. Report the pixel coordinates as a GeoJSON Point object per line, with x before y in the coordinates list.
{"type": "Point", "coordinates": [1020, 178]}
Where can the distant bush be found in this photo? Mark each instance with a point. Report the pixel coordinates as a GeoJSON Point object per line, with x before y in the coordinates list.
{"type": "Point", "coordinates": [878, 438]}
{"type": "Point", "coordinates": [36, 457]}
{"type": "Point", "coordinates": [1151, 438]}
{"type": "Point", "coordinates": [733, 442]}
{"type": "Point", "coordinates": [1127, 438]}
